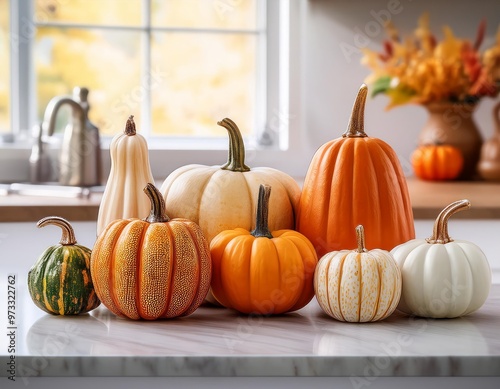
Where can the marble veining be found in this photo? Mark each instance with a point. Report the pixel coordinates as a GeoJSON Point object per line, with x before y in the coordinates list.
{"type": "Point", "coordinates": [217, 342]}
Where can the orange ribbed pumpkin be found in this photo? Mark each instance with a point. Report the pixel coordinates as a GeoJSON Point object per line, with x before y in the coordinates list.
{"type": "Point", "coordinates": [355, 180]}
{"type": "Point", "coordinates": [437, 162]}
{"type": "Point", "coordinates": [152, 268]}
{"type": "Point", "coordinates": [262, 272]}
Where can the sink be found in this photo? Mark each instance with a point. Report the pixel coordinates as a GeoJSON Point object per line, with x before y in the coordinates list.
{"type": "Point", "coordinates": [51, 189]}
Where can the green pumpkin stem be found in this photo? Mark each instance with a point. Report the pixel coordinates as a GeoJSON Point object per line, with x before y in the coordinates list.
{"type": "Point", "coordinates": [68, 234]}
{"type": "Point", "coordinates": [360, 239]}
{"type": "Point", "coordinates": [440, 231]}
{"type": "Point", "coordinates": [157, 214]}
{"type": "Point", "coordinates": [130, 126]}
{"type": "Point", "coordinates": [356, 127]}
{"type": "Point", "coordinates": [261, 220]}
{"type": "Point", "coordinates": [236, 155]}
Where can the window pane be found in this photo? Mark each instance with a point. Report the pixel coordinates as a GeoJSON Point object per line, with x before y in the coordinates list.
{"type": "Point", "coordinates": [106, 62]}
{"type": "Point", "coordinates": [224, 14]}
{"type": "Point", "coordinates": [206, 77]}
{"type": "Point", "coordinates": [4, 67]}
{"type": "Point", "coordinates": [109, 12]}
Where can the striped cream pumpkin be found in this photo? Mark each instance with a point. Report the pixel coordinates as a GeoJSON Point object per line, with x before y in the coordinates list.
{"type": "Point", "coordinates": [358, 285]}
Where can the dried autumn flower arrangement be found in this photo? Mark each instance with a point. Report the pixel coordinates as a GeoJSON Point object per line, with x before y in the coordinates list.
{"type": "Point", "coordinates": [419, 69]}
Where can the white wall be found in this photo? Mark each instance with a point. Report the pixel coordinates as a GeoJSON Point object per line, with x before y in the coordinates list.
{"type": "Point", "coordinates": [331, 79]}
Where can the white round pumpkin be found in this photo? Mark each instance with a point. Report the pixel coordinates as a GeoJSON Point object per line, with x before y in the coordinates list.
{"type": "Point", "coordinates": [358, 285]}
{"type": "Point", "coordinates": [220, 198]}
{"type": "Point", "coordinates": [442, 277]}
{"type": "Point", "coordinates": [123, 196]}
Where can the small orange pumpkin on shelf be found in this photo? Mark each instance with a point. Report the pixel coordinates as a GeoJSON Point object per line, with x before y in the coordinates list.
{"type": "Point", "coordinates": [355, 180]}
{"type": "Point", "coordinates": [437, 162]}
{"type": "Point", "coordinates": [152, 268]}
{"type": "Point", "coordinates": [262, 272]}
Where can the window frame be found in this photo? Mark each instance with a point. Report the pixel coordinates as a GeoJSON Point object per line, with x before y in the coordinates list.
{"type": "Point", "coordinates": [23, 83]}
{"type": "Point", "coordinates": [283, 64]}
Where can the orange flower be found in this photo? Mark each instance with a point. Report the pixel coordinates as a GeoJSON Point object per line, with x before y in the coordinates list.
{"type": "Point", "coordinates": [420, 69]}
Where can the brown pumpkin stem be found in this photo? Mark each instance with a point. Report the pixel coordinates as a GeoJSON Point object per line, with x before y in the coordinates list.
{"type": "Point", "coordinates": [360, 239]}
{"type": "Point", "coordinates": [68, 234]}
{"type": "Point", "coordinates": [356, 127]}
{"type": "Point", "coordinates": [261, 220]}
{"type": "Point", "coordinates": [130, 126]}
{"type": "Point", "coordinates": [157, 214]}
{"type": "Point", "coordinates": [236, 155]}
{"type": "Point", "coordinates": [440, 231]}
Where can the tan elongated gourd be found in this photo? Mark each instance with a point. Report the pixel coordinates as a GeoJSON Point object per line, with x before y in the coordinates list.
{"type": "Point", "coordinates": [130, 172]}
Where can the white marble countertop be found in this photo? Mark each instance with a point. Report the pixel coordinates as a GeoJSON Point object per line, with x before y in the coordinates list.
{"type": "Point", "coordinates": [217, 342]}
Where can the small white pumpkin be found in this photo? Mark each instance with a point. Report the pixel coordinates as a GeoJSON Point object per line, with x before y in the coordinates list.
{"type": "Point", "coordinates": [358, 285]}
{"type": "Point", "coordinates": [123, 196]}
{"type": "Point", "coordinates": [442, 278]}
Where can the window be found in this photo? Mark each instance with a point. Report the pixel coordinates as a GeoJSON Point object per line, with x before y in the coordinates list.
{"type": "Point", "coordinates": [4, 67]}
{"type": "Point", "coordinates": [178, 65]}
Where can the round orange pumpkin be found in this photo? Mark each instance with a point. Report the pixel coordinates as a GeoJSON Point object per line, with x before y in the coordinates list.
{"type": "Point", "coordinates": [437, 162]}
{"type": "Point", "coordinates": [262, 272]}
{"type": "Point", "coordinates": [152, 268]}
{"type": "Point", "coordinates": [355, 180]}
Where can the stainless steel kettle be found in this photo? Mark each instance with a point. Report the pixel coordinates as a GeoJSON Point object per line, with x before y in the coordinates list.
{"type": "Point", "coordinates": [80, 158]}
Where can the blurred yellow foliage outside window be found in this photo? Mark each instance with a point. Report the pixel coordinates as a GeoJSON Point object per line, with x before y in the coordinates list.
{"type": "Point", "coordinates": [4, 67]}
{"type": "Point", "coordinates": [179, 66]}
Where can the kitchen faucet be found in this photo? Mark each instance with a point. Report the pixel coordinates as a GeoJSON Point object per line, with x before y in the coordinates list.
{"type": "Point", "coordinates": [80, 157]}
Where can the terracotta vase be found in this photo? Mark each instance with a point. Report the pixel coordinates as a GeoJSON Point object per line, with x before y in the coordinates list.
{"type": "Point", "coordinates": [489, 161]}
{"type": "Point", "coordinates": [453, 124]}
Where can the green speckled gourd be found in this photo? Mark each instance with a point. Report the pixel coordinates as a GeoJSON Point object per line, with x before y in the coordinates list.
{"type": "Point", "coordinates": [59, 282]}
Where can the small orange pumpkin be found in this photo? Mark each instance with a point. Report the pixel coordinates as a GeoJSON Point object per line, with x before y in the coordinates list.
{"type": "Point", "coordinates": [152, 268]}
{"type": "Point", "coordinates": [262, 272]}
{"type": "Point", "coordinates": [437, 162]}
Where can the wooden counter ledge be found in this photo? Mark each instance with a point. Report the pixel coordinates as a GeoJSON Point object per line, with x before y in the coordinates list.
{"type": "Point", "coordinates": [428, 199]}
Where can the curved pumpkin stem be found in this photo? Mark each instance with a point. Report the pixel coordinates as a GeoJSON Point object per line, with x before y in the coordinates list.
{"type": "Point", "coordinates": [356, 127]}
{"type": "Point", "coordinates": [360, 239]}
{"type": "Point", "coordinates": [130, 126]}
{"type": "Point", "coordinates": [157, 214]}
{"type": "Point", "coordinates": [440, 231]}
{"type": "Point", "coordinates": [68, 234]}
{"type": "Point", "coordinates": [236, 155]}
{"type": "Point", "coordinates": [261, 222]}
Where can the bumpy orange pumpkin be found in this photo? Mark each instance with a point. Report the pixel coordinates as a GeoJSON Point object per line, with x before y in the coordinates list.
{"type": "Point", "coordinates": [437, 162]}
{"type": "Point", "coordinates": [262, 272]}
{"type": "Point", "coordinates": [355, 180]}
{"type": "Point", "coordinates": [152, 268]}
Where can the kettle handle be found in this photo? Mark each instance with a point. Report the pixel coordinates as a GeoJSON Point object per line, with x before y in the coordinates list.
{"type": "Point", "coordinates": [49, 119]}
